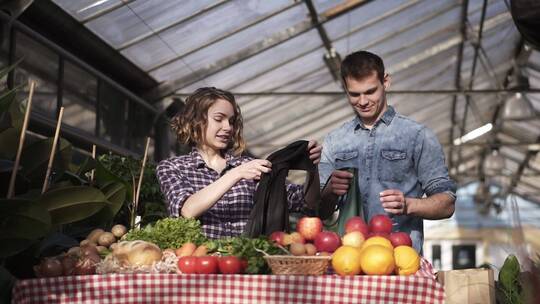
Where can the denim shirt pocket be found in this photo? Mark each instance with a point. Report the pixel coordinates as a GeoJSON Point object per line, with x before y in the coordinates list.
{"type": "Point", "coordinates": [393, 165]}
{"type": "Point", "coordinates": [347, 159]}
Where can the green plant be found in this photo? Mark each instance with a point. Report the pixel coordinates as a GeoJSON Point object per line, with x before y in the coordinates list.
{"type": "Point", "coordinates": [30, 218]}
{"type": "Point", "coordinates": [151, 203]}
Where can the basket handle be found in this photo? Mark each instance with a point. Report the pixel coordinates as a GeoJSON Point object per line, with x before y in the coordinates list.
{"type": "Point", "coordinates": [277, 245]}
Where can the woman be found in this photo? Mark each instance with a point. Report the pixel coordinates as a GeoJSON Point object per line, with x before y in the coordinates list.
{"type": "Point", "coordinates": [214, 183]}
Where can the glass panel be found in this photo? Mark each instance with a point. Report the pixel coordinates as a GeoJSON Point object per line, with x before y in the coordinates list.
{"type": "Point", "coordinates": [263, 61]}
{"type": "Point", "coordinates": [141, 18]}
{"type": "Point", "coordinates": [289, 74]}
{"type": "Point", "coordinates": [82, 9]}
{"type": "Point", "coordinates": [113, 115]}
{"type": "Point", "coordinates": [227, 47]}
{"type": "Point", "coordinates": [80, 89]}
{"type": "Point", "coordinates": [39, 64]}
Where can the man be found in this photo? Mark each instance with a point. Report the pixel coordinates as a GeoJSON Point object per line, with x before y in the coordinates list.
{"type": "Point", "coordinates": [398, 159]}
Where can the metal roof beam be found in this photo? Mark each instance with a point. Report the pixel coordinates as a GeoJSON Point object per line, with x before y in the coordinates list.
{"type": "Point", "coordinates": [457, 84]}
{"type": "Point", "coordinates": [106, 11]}
{"type": "Point", "coordinates": [473, 72]}
{"type": "Point", "coordinates": [397, 92]}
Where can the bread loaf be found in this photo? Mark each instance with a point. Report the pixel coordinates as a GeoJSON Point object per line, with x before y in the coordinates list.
{"type": "Point", "coordinates": [137, 253]}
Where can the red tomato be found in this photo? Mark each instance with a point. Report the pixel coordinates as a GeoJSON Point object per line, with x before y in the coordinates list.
{"type": "Point", "coordinates": [230, 265]}
{"type": "Point", "coordinates": [207, 265]}
{"type": "Point", "coordinates": [188, 264]}
{"type": "Point", "coordinates": [244, 264]}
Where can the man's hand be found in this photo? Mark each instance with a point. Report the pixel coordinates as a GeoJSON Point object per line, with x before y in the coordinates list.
{"type": "Point", "coordinates": [339, 182]}
{"type": "Point", "coordinates": [314, 151]}
{"type": "Point", "coordinates": [393, 201]}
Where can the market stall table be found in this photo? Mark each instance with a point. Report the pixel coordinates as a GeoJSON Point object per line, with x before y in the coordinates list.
{"type": "Point", "coordinates": [215, 288]}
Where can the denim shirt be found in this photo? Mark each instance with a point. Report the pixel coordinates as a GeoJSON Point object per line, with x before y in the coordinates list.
{"type": "Point", "coordinates": [397, 153]}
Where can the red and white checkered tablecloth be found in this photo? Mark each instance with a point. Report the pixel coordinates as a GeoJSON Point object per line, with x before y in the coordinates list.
{"type": "Point", "coordinates": [172, 288]}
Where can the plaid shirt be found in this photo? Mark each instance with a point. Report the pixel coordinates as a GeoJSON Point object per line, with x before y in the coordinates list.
{"type": "Point", "coordinates": [182, 176]}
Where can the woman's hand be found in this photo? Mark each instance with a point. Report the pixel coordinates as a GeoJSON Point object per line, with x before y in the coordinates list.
{"type": "Point", "coordinates": [314, 151]}
{"type": "Point", "coordinates": [252, 169]}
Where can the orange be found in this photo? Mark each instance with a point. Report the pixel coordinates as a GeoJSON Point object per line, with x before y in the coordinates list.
{"type": "Point", "coordinates": [346, 261]}
{"type": "Point", "coordinates": [377, 260]}
{"type": "Point", "coordinates": [407, 260]}
{"type": "Point", "coordinates": [377, 240]}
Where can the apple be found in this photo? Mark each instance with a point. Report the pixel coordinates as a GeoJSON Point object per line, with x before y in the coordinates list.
{"type": "Point", "coordinates": [356, 223]}
{"type": "Point", "coordinates": [309, 227]}
{"type": "Point", "coordinates": [327, 241]}
{"type": "Point", "coordinates": [277, 237]}
{"type": "Point", "coordinates": [400, 238]}
{"type": "Point", "coordinates": [353, 238]}
{"type": "Point", "coordinates": [380, 223]}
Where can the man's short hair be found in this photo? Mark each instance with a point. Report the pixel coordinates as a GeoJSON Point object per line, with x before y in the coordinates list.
{"type": "Point", "coordinates": [362, 64]}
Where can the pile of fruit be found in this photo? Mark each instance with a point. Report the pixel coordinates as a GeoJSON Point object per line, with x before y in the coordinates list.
{"type": "Point", "coordinates": [364, 249]}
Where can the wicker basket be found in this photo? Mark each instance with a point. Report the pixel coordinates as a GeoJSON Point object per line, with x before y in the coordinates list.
{"type": "Point", "coordinates": [298, 265]}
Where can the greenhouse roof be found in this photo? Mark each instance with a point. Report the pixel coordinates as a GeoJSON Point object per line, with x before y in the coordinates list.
{"type": "Point", "coordinates": [455, 66]}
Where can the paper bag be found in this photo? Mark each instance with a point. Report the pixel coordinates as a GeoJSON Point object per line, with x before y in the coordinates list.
{"type": "Point", "coordinates": [469, 286]}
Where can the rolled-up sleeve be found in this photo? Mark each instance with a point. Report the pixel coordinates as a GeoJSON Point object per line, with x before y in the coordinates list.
{"type": "Point", "coordinates": [174, 187]}
{"type": "Point", "coordinates": [326, 165]}
{"type": "Point", "coordinates": [430, 165]}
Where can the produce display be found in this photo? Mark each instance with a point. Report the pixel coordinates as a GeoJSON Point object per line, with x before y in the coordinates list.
{"type": "Point", "coordinates": [177, 245]}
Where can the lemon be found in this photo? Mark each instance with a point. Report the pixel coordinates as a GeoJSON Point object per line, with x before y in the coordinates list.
{"type": "Point", "coordinates": [407, 260]}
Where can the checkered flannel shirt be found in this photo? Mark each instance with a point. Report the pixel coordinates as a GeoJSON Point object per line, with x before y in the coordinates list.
{"type": "Point", "coordinates": [182, 176]}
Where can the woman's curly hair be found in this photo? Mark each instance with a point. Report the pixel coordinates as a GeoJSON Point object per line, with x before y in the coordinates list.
{"type": "Point", "coordinates": [190, 123]}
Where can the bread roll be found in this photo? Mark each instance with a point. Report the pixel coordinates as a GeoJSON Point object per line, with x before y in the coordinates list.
{"type": "Point", "coordinates": [137, 253]}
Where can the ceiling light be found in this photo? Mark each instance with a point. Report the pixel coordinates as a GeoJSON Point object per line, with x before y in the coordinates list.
{"type": "Point", "coordinates": [533, 147]}
{"type": "Point", "coordinates": [518, 107]}
{"type": "Point", "coordinates": [494, 163]}
{"type": "Point", "coordinates": [473, 134]}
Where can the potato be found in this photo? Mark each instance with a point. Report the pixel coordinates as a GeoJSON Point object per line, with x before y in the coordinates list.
{"type": "Point", "coordinates": [310, 249]}
{"type": "Point", "coordinates": [106, 239]}
{"type": "Point", "coordinates": [94, 235]}
{"type": "Point", "coordinates": [101, 249]}
{"type": "Point", "coordinates": [297, 249]}
{"type": "Point", "coordinates": [119, 230]}
{"type": "Point", "coordinates": [87, 243]}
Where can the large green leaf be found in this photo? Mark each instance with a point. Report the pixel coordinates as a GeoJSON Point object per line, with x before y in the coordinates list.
{"type": "Point", "coordinates": [16, 113]}
{"type": "Point", "coordinates": [88, 164]}
{"type": "Point", "coordinates": [21, 223]}
{"type": "Point", "coordinates": [105, 177]}
{"type": "Point", "coordinates": [5, 70]}
{"type": "Point", "coordinates": [71, 204]}
{"type": "Point", "coordinates": [115, 193]}
{"type": "Point", "coordinates": [10, 141]}
{"type": "Point", "coordinates": [35, 158]}
{"type": "Point", "coordinates": [6, 98]}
